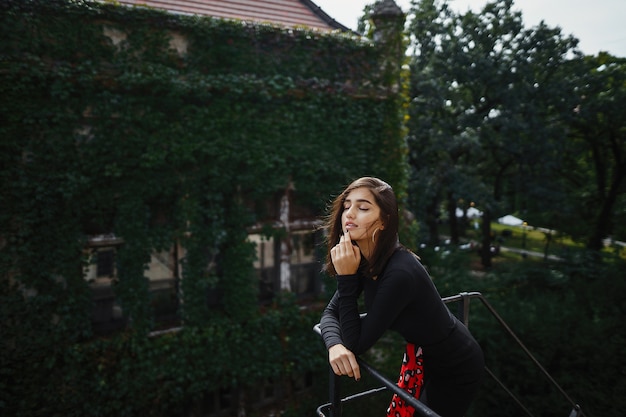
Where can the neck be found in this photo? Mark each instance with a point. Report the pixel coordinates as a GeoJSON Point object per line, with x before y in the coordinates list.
{"type": "Point", "coordinates": [367, 249]}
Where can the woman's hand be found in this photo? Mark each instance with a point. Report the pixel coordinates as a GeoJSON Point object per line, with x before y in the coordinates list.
{"type": "Point", "coordinates": [345, 256]}
{"type": "Point", "coordinates": [343, 362]}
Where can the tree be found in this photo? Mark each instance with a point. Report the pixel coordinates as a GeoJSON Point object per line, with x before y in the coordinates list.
{"type": "Point", "coordinates": [595, 168]}
{"type": "Point", "coordinates": [485, 108]}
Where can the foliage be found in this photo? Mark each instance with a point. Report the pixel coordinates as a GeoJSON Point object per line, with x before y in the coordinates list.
{"type": "Point", "coordinates": [595, 172]}
{"type": "Point", "coordinates": [498, 108]}
{"type": "Point", "coordinates": [164, 129]}
{"type": "Point", "coordinates": [567, 317]}
{"type": "Point", "coordinates": [517, 121]}
{"type": "Point", "coordinates": [128, 375]}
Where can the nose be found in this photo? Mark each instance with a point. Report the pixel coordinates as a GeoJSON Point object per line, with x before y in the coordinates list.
{"type": "Point", "coordinates": [348, 212]}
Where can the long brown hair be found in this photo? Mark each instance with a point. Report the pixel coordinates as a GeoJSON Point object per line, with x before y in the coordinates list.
{"type": "Point", "coordinates": [386, 238]}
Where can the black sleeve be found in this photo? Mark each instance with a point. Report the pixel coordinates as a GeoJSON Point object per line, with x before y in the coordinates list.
{"type": "Point", "coordinates": [393, 294]}
{"type": "Point", "coordinates": [329, 324]}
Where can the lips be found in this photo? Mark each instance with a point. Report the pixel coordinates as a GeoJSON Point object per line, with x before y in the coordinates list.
{"type": "Point", "coordinates": [350, 225]}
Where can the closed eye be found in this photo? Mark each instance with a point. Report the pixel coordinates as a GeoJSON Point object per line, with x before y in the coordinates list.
{"type": "Point", "coordinates": [361, 208]}
{"type": "Point", "coordinates": [364, 204]}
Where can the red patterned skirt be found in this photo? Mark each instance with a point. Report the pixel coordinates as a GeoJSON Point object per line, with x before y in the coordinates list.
{"type": "Point", "coordinates": [411, 380]}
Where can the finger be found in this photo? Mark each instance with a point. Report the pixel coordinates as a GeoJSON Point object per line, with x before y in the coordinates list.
{"type": "Point", "coordinates": [343, 249]}
{"type": "Point", "coordinates": [355, 368]}
{"type": "Point", "coordinates": [347, 242]}
{"type": "Point", "coordinates": [347, 367]}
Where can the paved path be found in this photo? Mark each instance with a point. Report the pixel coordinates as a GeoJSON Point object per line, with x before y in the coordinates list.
{"type": "Point", "coordinates": [529, 253]}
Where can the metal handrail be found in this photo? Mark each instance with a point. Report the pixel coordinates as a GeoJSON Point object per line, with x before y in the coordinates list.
{"type": "Point", "coordinates": [494, 313]}
{"type": "Point", "coordinates": [335, 405]}
{"type": "Point", "coordinates": [422, 410]}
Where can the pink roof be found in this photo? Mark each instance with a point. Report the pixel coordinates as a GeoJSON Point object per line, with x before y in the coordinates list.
{"type": "Point", "coordinates": [288, 13]}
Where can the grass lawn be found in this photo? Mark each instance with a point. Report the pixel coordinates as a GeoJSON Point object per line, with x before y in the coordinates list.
{"type": "Point", "coordinates": [532, 239]}
{"type": "Point", "coordinates": [528, 238]}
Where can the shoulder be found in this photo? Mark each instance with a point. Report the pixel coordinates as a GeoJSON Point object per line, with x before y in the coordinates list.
{"type": "Point", "coordinates": [403, 257]}
{"type": "Point", "coordinates": [404, 264]}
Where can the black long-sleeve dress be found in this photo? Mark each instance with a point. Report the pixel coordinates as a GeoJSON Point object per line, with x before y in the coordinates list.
{"type": "Point", "coordinates": [403, 298]}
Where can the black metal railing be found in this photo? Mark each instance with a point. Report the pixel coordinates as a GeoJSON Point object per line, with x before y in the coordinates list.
{"type": "Point", "coordinates": [334, 407]}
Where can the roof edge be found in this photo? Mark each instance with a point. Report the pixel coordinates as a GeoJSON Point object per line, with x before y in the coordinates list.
{"type": "Point", "coordinates": [325, 17]}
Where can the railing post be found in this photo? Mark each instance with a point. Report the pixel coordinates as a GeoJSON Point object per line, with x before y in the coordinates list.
{"type": "Point", "coordinates": [464, 308]}
{"type": "Point", "coordinates": [334, 387]}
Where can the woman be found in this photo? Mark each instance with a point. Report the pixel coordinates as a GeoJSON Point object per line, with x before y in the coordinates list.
{"type": "Point", "coordinates": [443, 361]}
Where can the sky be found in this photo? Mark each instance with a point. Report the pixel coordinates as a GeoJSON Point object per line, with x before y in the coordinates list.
{"type": "Point", "coordinates": [599, 25]}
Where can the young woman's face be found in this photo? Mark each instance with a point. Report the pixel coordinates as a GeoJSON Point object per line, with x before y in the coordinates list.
{"type": "Point", "coordinates": [361, 214]}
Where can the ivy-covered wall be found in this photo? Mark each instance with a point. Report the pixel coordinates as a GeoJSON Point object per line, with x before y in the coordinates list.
{"type": "Point", "coordinates": [166, 129]}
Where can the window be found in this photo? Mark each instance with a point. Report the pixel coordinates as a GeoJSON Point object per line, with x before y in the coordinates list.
{"type": "Point", "coordinates": [305, 265]}
{"type": "Point", "coordinates": [101, 273]}
{"type": "Point", "coordinates": [265, 265]}
{"type": "Point", "coordinates": [105, 263]}
{"type": "Point", "coordinates": [162, 275]}
{"type": "Point", "coordinates": [301, 249]}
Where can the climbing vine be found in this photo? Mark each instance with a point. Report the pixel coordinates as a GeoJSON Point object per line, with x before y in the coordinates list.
{"type": "Point", "coordinates": [161, 128]}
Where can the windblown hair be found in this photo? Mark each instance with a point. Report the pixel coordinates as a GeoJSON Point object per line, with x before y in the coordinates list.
{"type": "Point", "coordinates": [386, 238]}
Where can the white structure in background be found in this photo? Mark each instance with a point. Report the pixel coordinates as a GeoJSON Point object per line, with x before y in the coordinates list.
{"type": "Point", "coordinates": [510, 220]}
{"type": "Point", "coordinates": [472, 213]}
{"type": "Point", "coordinates": [285, 246]}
